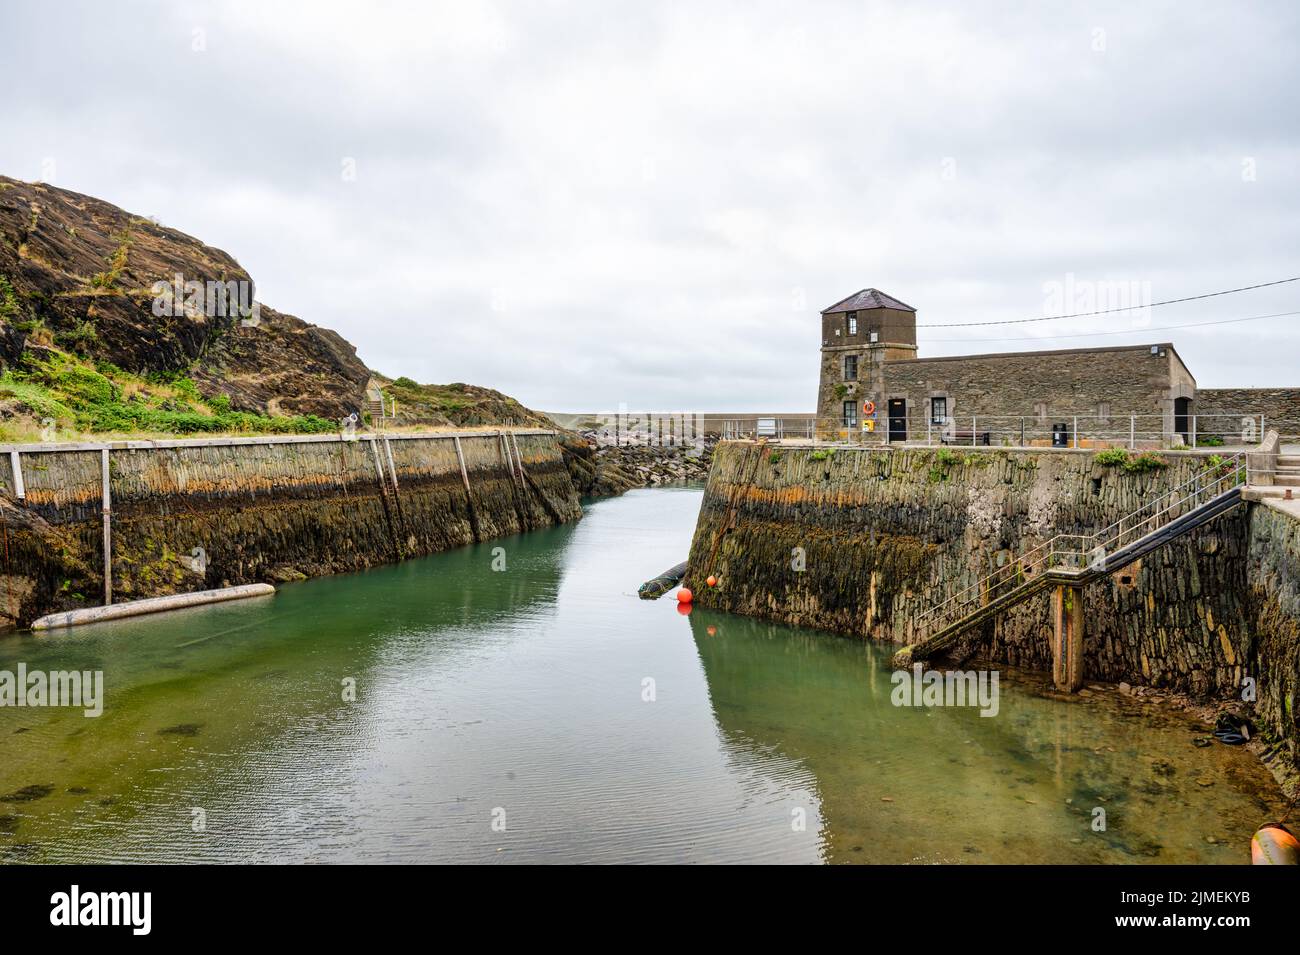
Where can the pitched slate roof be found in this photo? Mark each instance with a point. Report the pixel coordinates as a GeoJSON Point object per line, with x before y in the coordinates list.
{"type": "Point", "coordinates": [868, 298]}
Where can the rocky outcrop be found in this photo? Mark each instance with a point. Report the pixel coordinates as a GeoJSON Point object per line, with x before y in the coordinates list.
{"type": "Point", "coordinates": [80, 274]}
{"type": "Point", "coordinates": [600, 470]}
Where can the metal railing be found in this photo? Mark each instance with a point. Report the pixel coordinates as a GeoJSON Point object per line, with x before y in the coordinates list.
{"type": "Point", "coordinates": [1134, 431]}
{"type": "Point", "coordinates": [741, 429]}
{"type": "Point", "coordinates": [1079, 552]}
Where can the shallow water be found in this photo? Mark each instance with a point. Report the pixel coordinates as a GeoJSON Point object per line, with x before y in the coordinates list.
{"type": "Point", "coordinates": [503, 717]}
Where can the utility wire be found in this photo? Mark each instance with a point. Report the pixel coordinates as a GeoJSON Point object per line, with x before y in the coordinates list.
{"type": "Point", "coordinates": [1107, 311]}
{"type": "Point", "coordinates": [1127, 331]}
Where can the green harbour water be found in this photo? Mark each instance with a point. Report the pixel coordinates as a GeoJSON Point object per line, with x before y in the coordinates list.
{"type": "Point", "coordinates": [543, 713]}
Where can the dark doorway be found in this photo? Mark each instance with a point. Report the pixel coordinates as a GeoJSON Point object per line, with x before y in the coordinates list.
{"type": "Point", "coordinates": [1182, 412]}
{"type": "Point", "coordinates": [897, 419]}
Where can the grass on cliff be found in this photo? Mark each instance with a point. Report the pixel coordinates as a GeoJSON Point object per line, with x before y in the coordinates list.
{"type": "Point", "coordinates": [460, 404]}
{"type": "Point", "coordinates": [58, 396]}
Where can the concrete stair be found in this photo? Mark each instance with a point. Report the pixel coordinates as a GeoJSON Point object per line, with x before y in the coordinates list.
{"type": "Point", "coordinates": [1288, 471]}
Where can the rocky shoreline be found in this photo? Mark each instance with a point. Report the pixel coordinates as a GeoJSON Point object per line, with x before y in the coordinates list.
{"type": "Point", "coordinates": [603, 470]}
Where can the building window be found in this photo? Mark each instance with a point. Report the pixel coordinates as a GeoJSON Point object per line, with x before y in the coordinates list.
{"type": "Point", "coordinates": [850, 367]}
{"type": "Point", "coordinates": [851, 318]}
{"type": "Point", "coordinates": [850, 414]}
{"type": "Point", "coordinates": [939, 410]}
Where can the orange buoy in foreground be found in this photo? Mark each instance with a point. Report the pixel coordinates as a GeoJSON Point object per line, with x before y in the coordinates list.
{"type": "Point", "coordinates": [684, 596]}
{"type": "Point", "coordinates": [1274, 844]}
{"type": "Point", "coordinates": [712, 581]}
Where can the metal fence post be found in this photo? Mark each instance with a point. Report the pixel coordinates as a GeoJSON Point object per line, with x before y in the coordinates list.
{"type": "Point", "coordinates": [973, 428]}
{"type": "Point", "coordinates": [1132, 431]}
{"type": "Point", "coordinates": [1193, 430]}
{"type": "Point", "coordinates": [1076, 432]}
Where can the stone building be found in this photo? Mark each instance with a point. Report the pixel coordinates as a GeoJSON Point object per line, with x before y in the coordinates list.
{"type": "Point", "coordinates": [874, 386]}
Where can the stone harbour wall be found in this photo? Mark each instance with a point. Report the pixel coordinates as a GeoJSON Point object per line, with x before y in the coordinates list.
{"type": "Point", "coordinates": [1273, 578]}
{"type": "Point", "coordinates": [883, 535]}
{"type": "Point", "coordinates": [189, 515]}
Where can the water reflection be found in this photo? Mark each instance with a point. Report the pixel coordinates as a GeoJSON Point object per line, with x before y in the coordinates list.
{"type": "Point", "coordinates": [542, 713]}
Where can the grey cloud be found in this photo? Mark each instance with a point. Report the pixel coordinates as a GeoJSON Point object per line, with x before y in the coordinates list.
{"type": "Point", "coordinates": [586, 204]}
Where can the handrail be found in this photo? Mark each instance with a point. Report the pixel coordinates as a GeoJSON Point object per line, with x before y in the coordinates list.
{"type": "Point", "coordinates": [1090, 550]}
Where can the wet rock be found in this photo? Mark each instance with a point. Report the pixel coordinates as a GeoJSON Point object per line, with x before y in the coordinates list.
{"type": "Point", "coordinates": [28, 793]}
{"type": "Point", "coordinates": [181, 729]}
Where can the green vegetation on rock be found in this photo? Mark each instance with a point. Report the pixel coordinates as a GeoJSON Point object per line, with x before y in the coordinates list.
{"type": "Point", "coordinates": [1131, 464]}
{"type": "Point", "coordinates": [83, 398]}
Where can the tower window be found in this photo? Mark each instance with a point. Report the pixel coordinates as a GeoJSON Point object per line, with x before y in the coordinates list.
{"type": "Point", "coordinates": [850, 367]}
{"type": "Point", "coordinates": [851, 319]}
{"type": "Point", "coordinates": [850, 414]}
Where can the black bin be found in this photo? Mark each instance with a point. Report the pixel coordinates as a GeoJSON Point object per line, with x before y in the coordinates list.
{"type": "Point", "coordinates": [1060, 436]}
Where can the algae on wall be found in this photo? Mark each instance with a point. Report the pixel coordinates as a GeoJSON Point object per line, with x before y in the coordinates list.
{"type": "Point", "coordinates": [864, 541]}
{"type": "Point", "coordinates": [1274, 576]}
{"type": "Point", "coordinates": [191, 515]}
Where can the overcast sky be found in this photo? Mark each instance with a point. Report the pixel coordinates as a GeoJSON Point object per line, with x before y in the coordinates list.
{"type": "Point", "coordinates": [583, 204]}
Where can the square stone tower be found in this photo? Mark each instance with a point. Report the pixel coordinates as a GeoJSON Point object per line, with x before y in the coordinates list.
{"type": "Point", "coordinates": [859, 334]}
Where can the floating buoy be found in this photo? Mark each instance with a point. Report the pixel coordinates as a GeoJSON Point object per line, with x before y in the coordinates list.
{"type": "Point", "coordinates": [684, 596]}
{"type": "Point", "coordinates": [1274, 844]}
{"type": "Point", "coordinates": [712, 581]}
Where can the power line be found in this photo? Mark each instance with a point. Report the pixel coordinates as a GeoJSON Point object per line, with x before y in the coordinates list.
{"type": "Point", "coordinates": [1107, 311]}
{"type": "Point", "coordinates": [1127, 331]}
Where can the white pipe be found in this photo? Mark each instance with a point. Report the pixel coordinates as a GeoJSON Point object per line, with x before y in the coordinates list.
{"type": "Point", "coordinates": [135, 608]}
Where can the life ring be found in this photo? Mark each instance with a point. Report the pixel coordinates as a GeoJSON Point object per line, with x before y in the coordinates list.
{"type": "Point", "coordinates": [868, 407]}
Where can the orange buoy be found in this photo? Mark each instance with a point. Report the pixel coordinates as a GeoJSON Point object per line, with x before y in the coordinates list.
{"type": "Point", "coordinates": [684, 596]}
{"type": "Point", "coordinates": [711, 630]}
{"type": "Point", "coordinates": [1274, 844]}
{"type": "Point", "coordinates": [712, 581]}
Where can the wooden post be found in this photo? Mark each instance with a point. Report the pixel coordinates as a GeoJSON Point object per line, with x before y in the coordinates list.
{"type": "Point", "coordinates": [388, 450]}
{"type": "Point", "coordinates": [460, 456]}
{"type": "Point", "coordinates": [108, 529]}
{"type": "Point", "coordinates": [469, 498]}
{"type": "Point", "coordinates": [519, 457]}
{"type": "Point", "coordinates": [1067, 637]}
{"type": "Point", "coordinates": [379, 467]}
{"type": "Point", "coordinates": [20, 492]}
